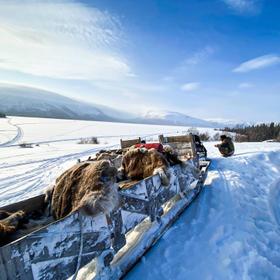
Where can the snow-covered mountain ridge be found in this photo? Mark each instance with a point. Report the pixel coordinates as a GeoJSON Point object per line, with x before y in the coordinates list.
{"type": "Point", "coordinates": [33, 102]}
{"type": "Point", "coordinates": [175, 118]}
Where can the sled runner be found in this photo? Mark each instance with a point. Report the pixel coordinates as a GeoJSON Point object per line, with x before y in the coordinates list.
{"type": "Point", "coordinates": [109, 246]}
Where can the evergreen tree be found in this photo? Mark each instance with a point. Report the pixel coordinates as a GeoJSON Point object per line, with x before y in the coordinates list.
{"type": "Point", "coordinates": [258, 133]}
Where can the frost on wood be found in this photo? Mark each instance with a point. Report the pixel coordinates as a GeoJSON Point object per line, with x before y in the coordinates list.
{"type": "Point", "coordinates": [53, 251]}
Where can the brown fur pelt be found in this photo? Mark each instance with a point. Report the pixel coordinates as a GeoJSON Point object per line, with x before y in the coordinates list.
{"type": "Point", "coordinates": [114, 156]}
{"type": "Point", "coordinates": [9, 223]}
{"type": "Point", "coordinates": [140, 163]}
{"type": "Point", "coordinates": [107, 154]}
{"type": "Point", "coordinates": [90, 187]}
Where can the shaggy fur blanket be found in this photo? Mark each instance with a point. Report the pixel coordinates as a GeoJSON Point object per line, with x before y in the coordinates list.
{"type": "Point", "coordinates": [90, 187]}
{"type": "Point", "coordinates": [140, 163]}
{"type": "Point", "coordinates": [9, 223]}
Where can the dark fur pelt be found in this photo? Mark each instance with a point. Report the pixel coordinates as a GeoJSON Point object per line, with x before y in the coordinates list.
{"type": "Point", "coordinates": [90, 187]}
{"type": "Point", "coordinates": [171, 155]}
{"type": "Point", "coordinates": [140, 163]}
{"type": "Point", "coordinates": [108, 154]}
{"type": "Point", "coordinates": [115, 157]}
{"type": "Point", "coordinates": [9, 223]}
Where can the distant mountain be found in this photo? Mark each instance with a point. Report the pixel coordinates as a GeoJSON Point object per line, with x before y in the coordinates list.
{"type": "Point", "coordinates": [114, 113]}
{"type": "Point", "coordinates": [175, 118]}
{"type": "Point", "coordinates": [231, 123]}
{"type": "Point", "coordinates": [33, 102]}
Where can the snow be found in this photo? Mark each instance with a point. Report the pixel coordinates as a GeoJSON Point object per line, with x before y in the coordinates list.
{"type": "Point", "coordinates": [28, 172]}
{"type": "Point", "coordinates": [232, 230]}
{"type": "Point", "coordinates": [176, 118]}
{"type": "Point", "coordinates": [51, 130]}
{"type": "Point", "coordinates": [7, 131]}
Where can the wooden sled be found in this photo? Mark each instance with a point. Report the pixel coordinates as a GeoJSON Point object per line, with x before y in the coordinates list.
{"type": "Point", "coordinates": [102, 247]}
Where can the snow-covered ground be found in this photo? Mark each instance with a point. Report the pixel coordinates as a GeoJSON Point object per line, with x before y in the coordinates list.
{"type": "Point", "coordinates": [232, 231]}
{"type": "Point", "coordinates": [26, 172]}
{"type": "Point", "coordinates": [8, 132]}
{"type": "Point", "coordinates": [38, 130]}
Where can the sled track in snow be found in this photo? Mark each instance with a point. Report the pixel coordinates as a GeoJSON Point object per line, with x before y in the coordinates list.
{"type": "Point", "coordinates": [16, 183]}
{"type": "Point", "coordinates": [16, 138]}
{"type": "Point", "coordinates": [218, 167]}
{"type": "Point", "coordinates": [37, 178]}
{"type": "Point", "coordinates": [275, 201]}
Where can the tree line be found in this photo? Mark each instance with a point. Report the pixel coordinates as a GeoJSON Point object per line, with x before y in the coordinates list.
{"type": "Point", "coordinates": [256, 133]}
{"type": "Point", "coordinates": [2, 115]}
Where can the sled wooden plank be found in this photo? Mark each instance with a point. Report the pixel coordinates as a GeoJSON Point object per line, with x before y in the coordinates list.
{"type": "Point", "coordinates": [184, 145]}
{"type": "Point", "coordinates": [52, 252]}
{"type": "Point", "coordinates": [2, 268]}
{"type": "Point", "coordinates": [128, 143]}
{"type": "Point", "coordinates": [116, 224]}
{"type": "Point", "coordinates": [28, 205]}
{"type": "Point", "coordinates": [180, 145]}
{"type": "Point", "coordinates": [134, 205]}
{"type": "Point", "coordinates": [58, 242]}
{"type": "Point", "coordinates": [64, 267]}
{"type": "Point", "coordinates": [180, 139]}
{"type": "Point", "coordinates": [131, 220]}
{"type": "Point", "coordinates": [185, 202]}
{"type": "Point", "coordinates": [154, 233]}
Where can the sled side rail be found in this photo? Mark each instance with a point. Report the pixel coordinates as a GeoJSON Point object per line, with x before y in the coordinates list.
{"type": "Point", "coordinates": [55, 251]}
{"type": "Point", "coordinates": [148, 196]}
{"type": "Point", "coordinates": [145, 203]}
{"type": "Point", "coordinates": [128, 143]}
{"type": "Point", "coordinates": [28, 205]}
{"type": "Point", "coordinates": [184, 145]}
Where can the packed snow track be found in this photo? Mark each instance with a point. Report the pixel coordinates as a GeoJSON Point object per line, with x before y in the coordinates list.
{"type": "Point", "coordinates": [232, 230]}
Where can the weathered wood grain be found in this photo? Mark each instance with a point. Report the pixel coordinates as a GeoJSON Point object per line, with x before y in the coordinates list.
{"type": "Point", "coordinates": [54, 251]}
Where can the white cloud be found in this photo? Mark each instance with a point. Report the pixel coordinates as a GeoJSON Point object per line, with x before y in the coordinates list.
{"type": "Point", "coordinates": [199, 56]}
{"type": "Point", "coordinates": [190, 86]}
{"type": "Point", "coordinates": [258, 63]}
{"type": "Point", "coordinates": [242, 6]}
{"type": "Point", "coordinates": [60, 39]}
{"type": "Point", "coordinates": [245, 85]}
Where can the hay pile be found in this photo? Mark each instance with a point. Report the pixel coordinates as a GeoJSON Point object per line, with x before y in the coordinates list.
{"type": "Point", "coordinates": [89, 186]}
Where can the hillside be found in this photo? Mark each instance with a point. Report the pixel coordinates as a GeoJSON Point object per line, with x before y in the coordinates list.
{"type": "Point", "coordinates": [33, 102]}
{"type": "Point", "coordinates": [175, 118]}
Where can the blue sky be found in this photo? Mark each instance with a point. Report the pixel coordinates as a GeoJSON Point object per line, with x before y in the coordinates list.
{"type": "Point", "coordinates": [209, 59]}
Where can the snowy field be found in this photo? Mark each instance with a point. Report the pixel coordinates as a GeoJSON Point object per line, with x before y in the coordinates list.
{"type": "Point", "coordinates": [232, 231]}
{"type": "Point", "coordinates": [26, 172]}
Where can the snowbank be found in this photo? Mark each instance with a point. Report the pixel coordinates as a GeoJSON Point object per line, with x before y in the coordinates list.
{"type": "Point", "coordinates": [232, 230]}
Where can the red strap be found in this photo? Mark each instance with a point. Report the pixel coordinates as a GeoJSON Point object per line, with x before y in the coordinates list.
{"type": "Point", "coordinates": [148, 146]}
